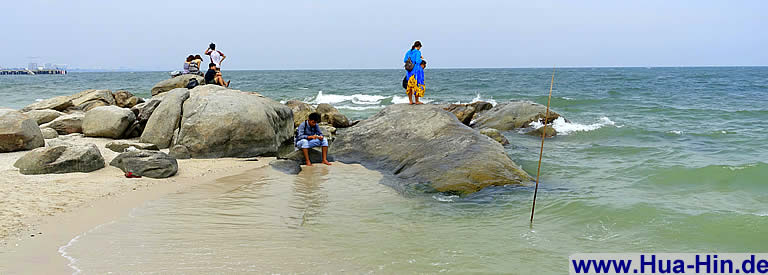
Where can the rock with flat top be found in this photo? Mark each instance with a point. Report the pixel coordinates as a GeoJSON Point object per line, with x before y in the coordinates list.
{"type": "Point", "coordinates": [465, 112]}
{"type": "Point", "coordinates": [175, 82]}
{"type": "Point", "coordinates": [89, 99]}
{"type": "Point", "coordinates": [18, 132]}
{"type": "Point", "coordinates": [59, 103]}
{"type": "Point", "coordinates": [59, 159]}
{"type": "Point", "coordinates": [495, 135]}
{"type": "Point", "coordinates": [290, 167]}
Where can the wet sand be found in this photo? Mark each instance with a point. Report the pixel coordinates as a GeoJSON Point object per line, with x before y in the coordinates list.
{"type": "Point", "coordinates": [40, 213]}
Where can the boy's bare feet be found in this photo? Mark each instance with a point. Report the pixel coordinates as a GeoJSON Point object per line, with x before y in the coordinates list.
{"type": "Point", "coordinates": [309, 164]}
{"type": "Point", "coordinates": [419, 102]}
{"type": "Point", "coordinates": [326, 162]}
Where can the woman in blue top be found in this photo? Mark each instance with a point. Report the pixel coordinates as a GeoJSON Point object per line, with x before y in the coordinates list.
{"type": "Point", "coordinates": [415, 76]}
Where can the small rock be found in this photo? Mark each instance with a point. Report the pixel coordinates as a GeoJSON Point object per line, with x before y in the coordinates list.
{"type": "Point", "coordinates": [59, 159]}
{"type": "Point", "coordinates": [44, 116]}
{"type": "Point", "coordinates": [49, 133]}
{"type": "Point", "coordinates": [146, 163]}
{"type": "Point", "coordinates": [126, 99]}
{"type": "Point", "coordinates": [180, 152]}
{"type": "Point", "coordinates": [121, 145]}
{"type": "Point", "coordinates": [495, 135]}
{"type": "Point", "coordinates": [286, 166]}
{"type": "Point", "coordinates": [331, 115]}
{"type": "Point", "coordinates": [67, 124]}
{"type": "Point", "coordinates": [551, 132]}
{"type": "Point", "coordinates": [107, 121]}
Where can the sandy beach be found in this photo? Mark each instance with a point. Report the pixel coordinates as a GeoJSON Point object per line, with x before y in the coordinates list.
{"type": "Point", "coordinates": [40, 213]}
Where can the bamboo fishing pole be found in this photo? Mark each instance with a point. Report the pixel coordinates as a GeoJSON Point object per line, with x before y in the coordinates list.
{"type": "Point", "coordinates": [541, 151]}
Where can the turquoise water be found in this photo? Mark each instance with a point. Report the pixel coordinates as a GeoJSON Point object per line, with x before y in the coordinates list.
{"type": "Point", "coordinates": [653, 159]}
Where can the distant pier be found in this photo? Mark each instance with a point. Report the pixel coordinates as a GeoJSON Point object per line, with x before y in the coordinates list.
{"type": "Point", "coordinates": [30, 72]}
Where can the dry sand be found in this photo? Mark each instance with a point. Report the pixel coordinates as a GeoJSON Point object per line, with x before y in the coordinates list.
{"type": "Point", "coordinates": [31, 206]}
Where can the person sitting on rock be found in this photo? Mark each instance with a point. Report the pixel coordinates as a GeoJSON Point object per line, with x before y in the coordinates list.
{"type": "Point", "coordinates": [186, 64]}
{"type": "Point", "coordinates": [213, 76]}
{"type": "Point", "coordinates": [194, 65]}
{"type": "Point", "coordinates": [308, 135]}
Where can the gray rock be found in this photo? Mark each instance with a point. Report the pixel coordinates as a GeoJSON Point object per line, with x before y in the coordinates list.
{"type": "Point", "coordinates": [61, 159]}
{"type": "Point", "coordinates": [126, 99]}
{"type": "Point", "coordinates": [89, 99]}
{"type": "Point", "coordinates": [49, 133]}
{"type": "Point", "coordinates": [67, 124]}
{"type": "Point", "coordinates": [291, 167]}
{"type": "Point", "coordinates": [495, 135]}
{"type": "Point", "coordinates": [120, 145]}
{"type": "Point", "coordinates": [165, 119]}
{"type": "Point", "coordinates": [300, 110]}
{"type": "Point", "coordinates": [43, 116]}
{"type": "Point", "coordinates": [107, 121]}
{"type": "Point", "coordinates": [176, 82]}
{"type": "Point", "coordinates": [465, 112]}
{"type": "Point", "coordinates": [18, 132]}
{"type": "Point", "coordinates": [513, 115]}
{"type": "Point", "coordinates": [59, 103]}
{"type": "Point", "coordinates": [220, 122]}
{"type": "Point", "coordinates": [428, 145]}
{"type": "Point", "coordinates": [550, 132]}
{"type": "Point", "coordinates": [180, 152]}
{"type": "Point", "coordinates": [331, 115]}
{"type": "Point", "coordinates": [146, 110]}
{"type": "Point", "coordinates": [146, 163]}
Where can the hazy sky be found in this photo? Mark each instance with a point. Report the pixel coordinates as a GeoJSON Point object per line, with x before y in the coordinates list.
{"type": "Point", "coordinates": [158, 35]}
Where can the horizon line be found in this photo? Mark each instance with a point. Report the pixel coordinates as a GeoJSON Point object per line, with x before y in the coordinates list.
{"type": "Point", "coordinates": [437, 68]}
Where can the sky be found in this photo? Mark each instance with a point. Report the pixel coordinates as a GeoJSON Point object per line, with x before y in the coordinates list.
{"type": "Point", "coordinates": [158, 35]}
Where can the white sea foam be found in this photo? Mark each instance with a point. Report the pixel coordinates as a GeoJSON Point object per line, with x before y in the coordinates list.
{"type": "Point", "coordinates": [356, 99]}
{"type": "Point", "coordinates": [63, 249]}
{"type": "Point", "coordinates": [359, 108]}
{"type": "Point", "coordinates": [38, 99]}
{"type": "Point", "coordinates": [676, 132]}
{"type": "Point", "coordinates": [479, 97]}
{"type": "Point", "coordinates": [564, 128]}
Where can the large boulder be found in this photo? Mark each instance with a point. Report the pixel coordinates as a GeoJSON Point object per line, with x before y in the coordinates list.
{"type": "Point", "coordinates": [220, 122]}
{"type": "Point", "coordinates": [89, 99]}
{"type": "Point", "coordinates": [465, 112]}
{"type": "Point", "coordinates": [331, 115]}
{"type": "Point", "coordinates": [59, 103]}
{"type": "Point", "coordinates": [513, 115]}
{"type": "Point", "coordinates": [300, 110]}
{"type": "Point", "coordinates": [428, 145]}
{"type": "Point", "coordinates": [175, 82]}
{"type": "Point", "coordinates": [107, 121]}
{"type": "Point", "coordinates": [146, 163]}
{"type": "Point", "coordinates": [18, 132]}
{"type": "Point", "coordinates": [44, 116]}
{"type": "Point", "coordinates": [126, 99]}
{"type": "Point", "coordinates": [62, 158]}
{"type": "Point", "coordinates": [165, 119]}
{"type": "Point", "coordinates": [67, 124]}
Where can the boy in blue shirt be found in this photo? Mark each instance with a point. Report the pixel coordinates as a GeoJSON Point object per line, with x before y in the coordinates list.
{"type": "Point", "coordinates": [308, 135]}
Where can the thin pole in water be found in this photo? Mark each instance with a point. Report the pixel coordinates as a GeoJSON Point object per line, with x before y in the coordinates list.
{"type": "Point", "coordinates": [541, 152]}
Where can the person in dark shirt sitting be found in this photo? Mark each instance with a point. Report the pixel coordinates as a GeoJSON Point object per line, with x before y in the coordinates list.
{"type": "Point", "coordinates": [213, 76]}
{"type": "Point", "coordinates": [308, 135]}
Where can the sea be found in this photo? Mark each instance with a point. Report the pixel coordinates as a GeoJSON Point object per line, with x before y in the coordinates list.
{"type": "Point", "coordinates": [649, 160]}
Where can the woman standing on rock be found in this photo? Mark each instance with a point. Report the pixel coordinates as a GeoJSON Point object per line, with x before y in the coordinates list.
{"type": "Point", "coordinates": [415, 74]}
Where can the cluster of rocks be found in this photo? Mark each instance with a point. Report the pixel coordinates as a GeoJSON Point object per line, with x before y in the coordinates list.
{"type": "Point", "coordinates": [455, 148]}
{"type": "Point", "coordinates": [506, 116]}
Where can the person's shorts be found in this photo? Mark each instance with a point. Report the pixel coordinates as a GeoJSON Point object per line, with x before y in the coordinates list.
{"type": "Point", "coordinates": [306, 144]}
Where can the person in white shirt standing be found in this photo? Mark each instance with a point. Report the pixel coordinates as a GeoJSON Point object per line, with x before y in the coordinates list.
{"type": "Point", "coordinates": [216, 56]}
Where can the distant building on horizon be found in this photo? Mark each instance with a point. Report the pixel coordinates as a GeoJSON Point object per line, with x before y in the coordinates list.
{"type": "Point", "coordinates": [32, 66]}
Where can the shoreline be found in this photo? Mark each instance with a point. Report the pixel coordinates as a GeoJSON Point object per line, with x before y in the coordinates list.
{"type": "Point", "coordinates": [50, 210]}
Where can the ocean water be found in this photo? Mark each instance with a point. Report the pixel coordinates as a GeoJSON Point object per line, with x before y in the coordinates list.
{"type": "Point", "coordinates": [651, 160]}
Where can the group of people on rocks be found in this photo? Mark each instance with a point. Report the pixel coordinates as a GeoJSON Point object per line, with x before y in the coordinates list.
{"type": "Point", "coordinates": [213, 75]}
{"type": "Point", "coordinates": [308, 134]}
